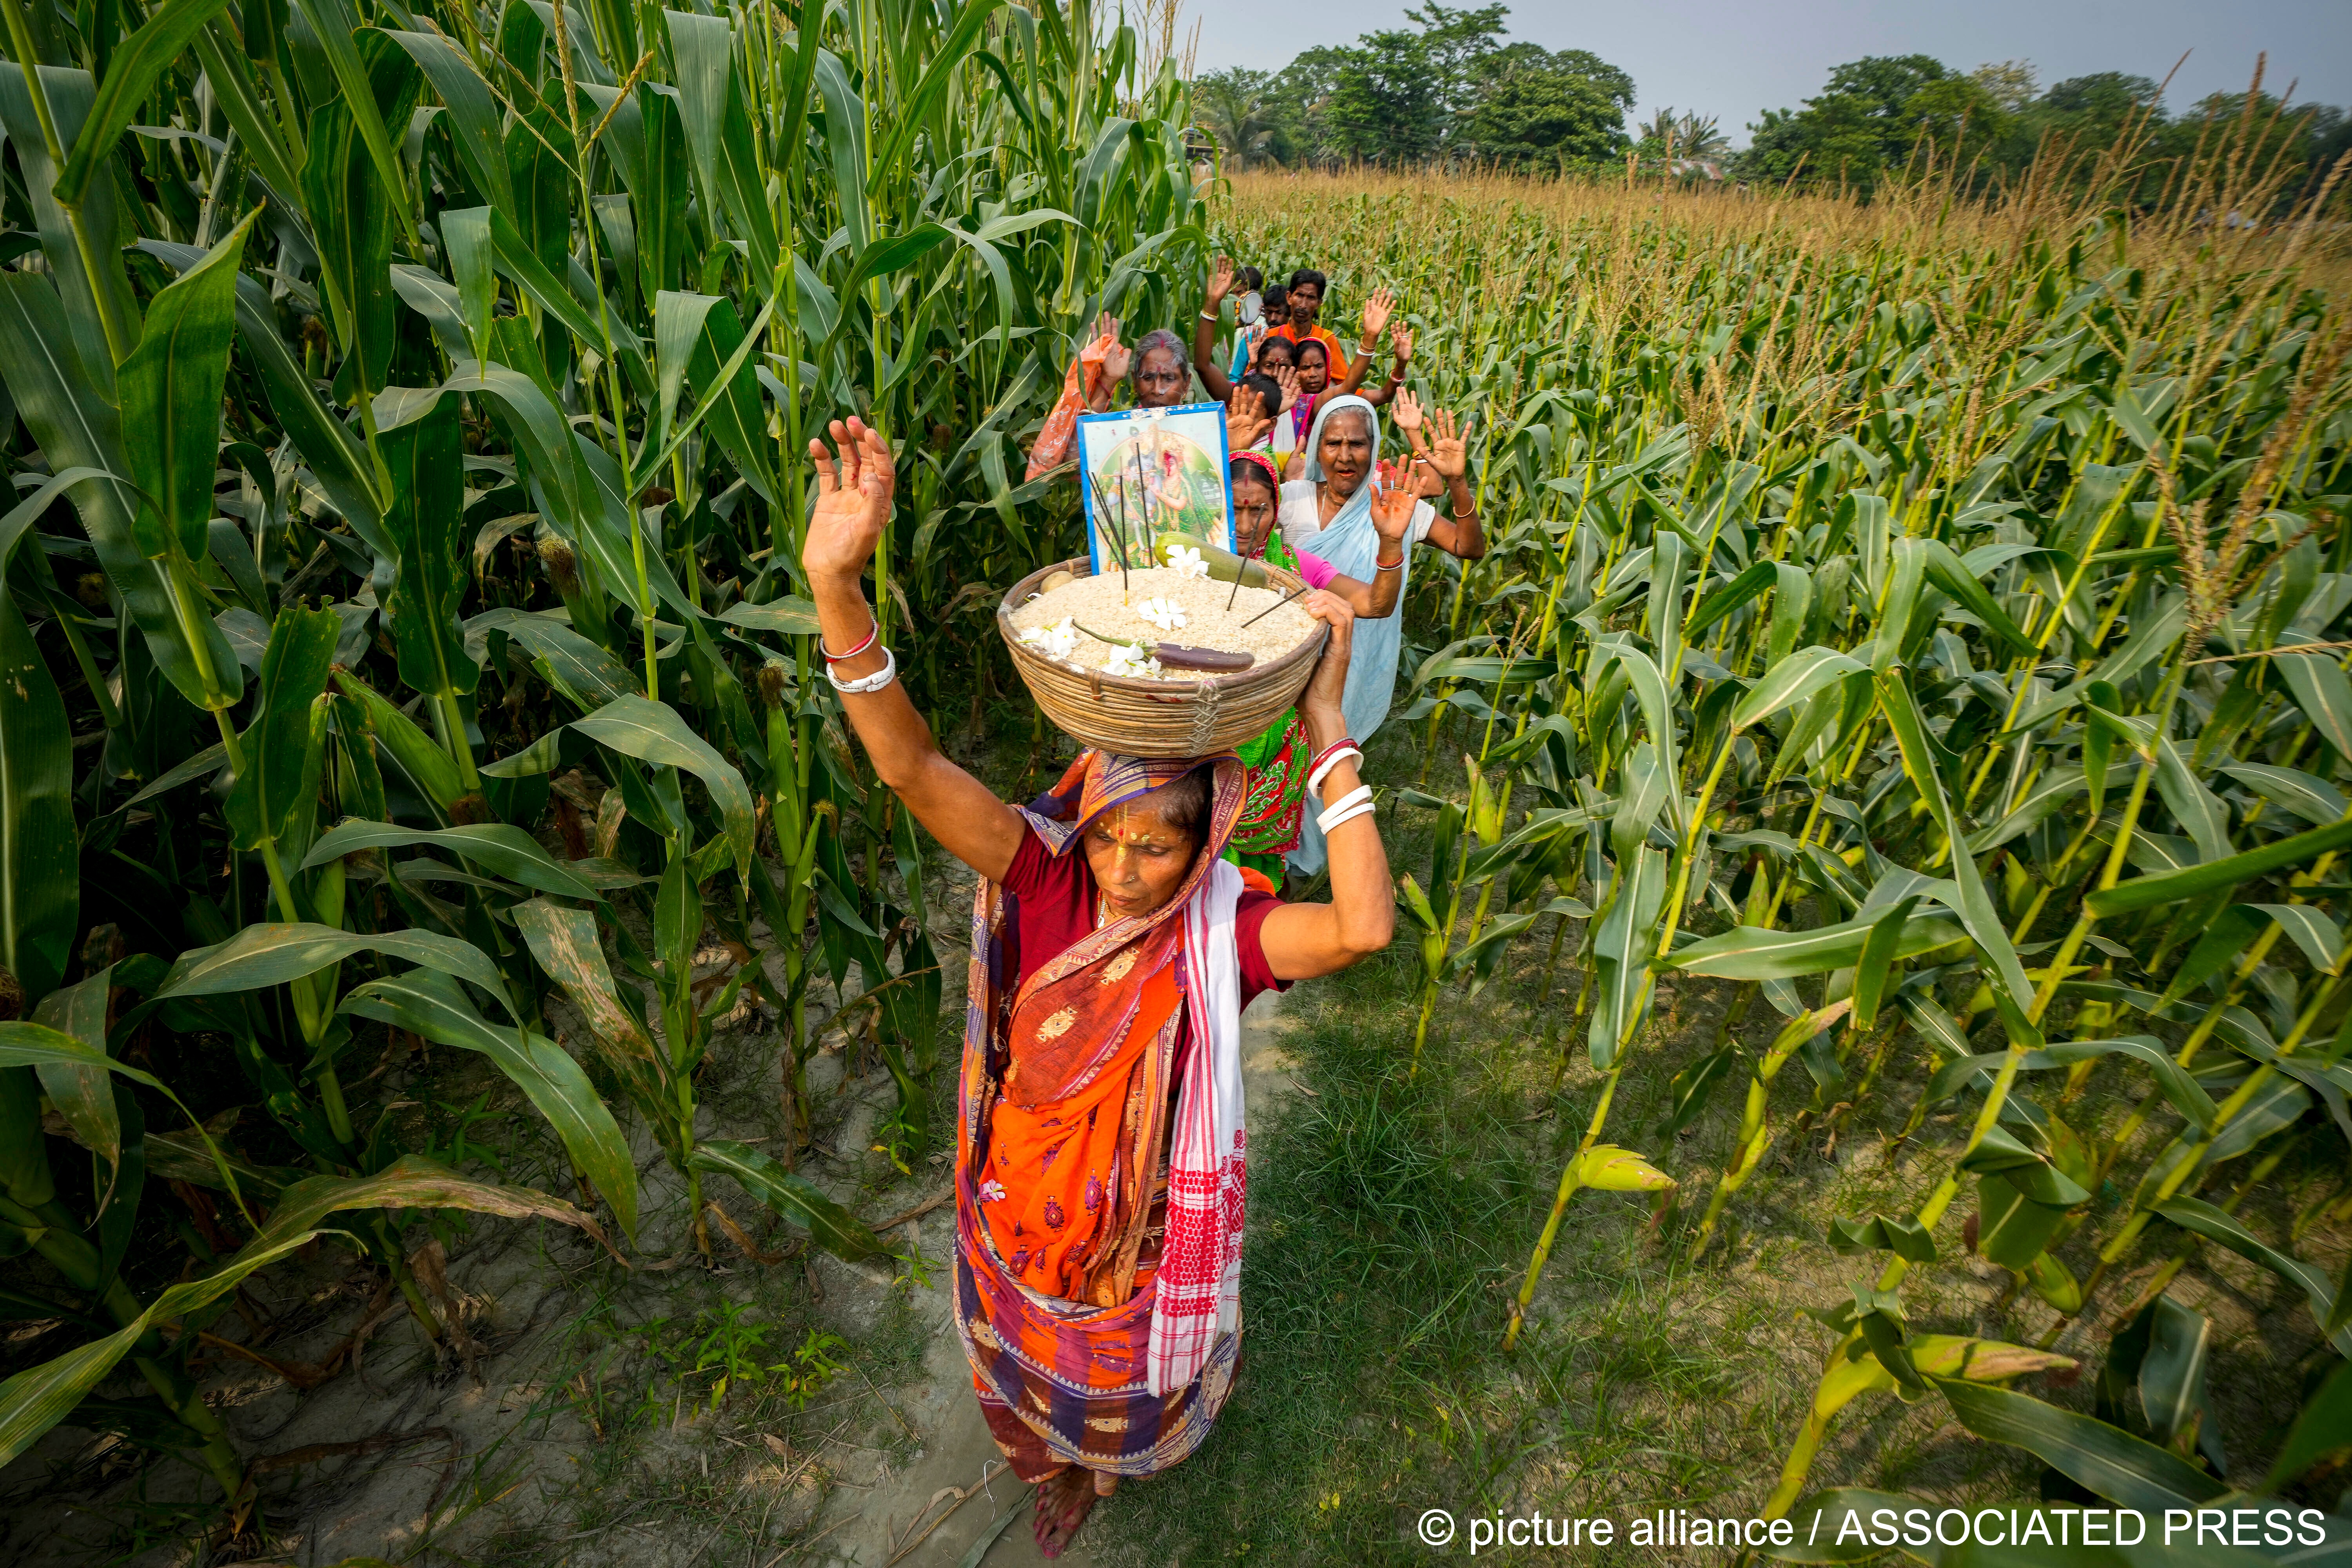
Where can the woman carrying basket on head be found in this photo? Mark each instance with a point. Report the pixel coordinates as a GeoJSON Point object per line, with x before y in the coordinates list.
{"type": "Point", "coordinates": [1099, 1177]}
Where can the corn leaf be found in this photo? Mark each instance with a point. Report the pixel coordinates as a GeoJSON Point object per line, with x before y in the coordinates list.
{"type": "Point", "coordinates": [2106, 1460]}
{"type": "Point", "coordinates": [432, 1006]}
{"type": "Point", "coordinates": [497, 848]}
{"type": "Point", "coordinates": [790, 1195]}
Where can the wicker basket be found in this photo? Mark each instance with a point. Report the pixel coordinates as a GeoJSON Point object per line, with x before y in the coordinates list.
{"type": "Point", "coordinates": [1158, 718]}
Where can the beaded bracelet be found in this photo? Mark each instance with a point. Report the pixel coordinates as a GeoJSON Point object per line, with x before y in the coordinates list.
{"type": "Point", "coordinates": [871, 633]}
{"type": "Point", "coordinates": [1331, 758]}
{"type": "Point", "coordinates": [864, 684]}
{"type": "Point", "coordinates": [1346, 808]}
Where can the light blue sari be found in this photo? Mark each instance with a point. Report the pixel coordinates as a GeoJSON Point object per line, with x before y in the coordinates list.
{"type": "Point", "coordinates": [1352, 546]}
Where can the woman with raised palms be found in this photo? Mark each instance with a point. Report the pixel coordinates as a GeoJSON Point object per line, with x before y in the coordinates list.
{"type": "Point", "coordinates": [1330, 512]}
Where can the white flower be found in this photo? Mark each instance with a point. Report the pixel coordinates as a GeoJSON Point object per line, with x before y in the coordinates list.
{"type": "Point", "coordinates": [1186, 561]}
{"type": "Point", "coordinates": [1165, 613]}
{"type": "Point", "coordinates": [1129, 659]}
{"type": "Point", "coordinates": [1058, 642]}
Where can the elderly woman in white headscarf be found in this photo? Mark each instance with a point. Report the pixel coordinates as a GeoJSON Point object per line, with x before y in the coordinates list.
{"type": "Point", "coordinates": [1330, 512]}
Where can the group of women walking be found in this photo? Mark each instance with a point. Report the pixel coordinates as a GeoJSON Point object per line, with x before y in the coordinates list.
{"type": "Point", "coordinates": [1310, 493]}
{"type": "Point", "coordinates": [1126, 918]}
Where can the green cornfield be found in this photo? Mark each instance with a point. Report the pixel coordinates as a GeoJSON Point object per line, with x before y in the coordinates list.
{"type": "Point", "coordinates": [407, 404]}
{"type": "Point", "coordinates": [1918, 629]}
{"type": "Point", "coordinates": [1925, 623]}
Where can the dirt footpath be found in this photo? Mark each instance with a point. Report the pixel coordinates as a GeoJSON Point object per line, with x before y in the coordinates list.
{"type": "Point", "coordinates": [517, 1457]}
{"type": "Point", "coordinates": [874, 1522]}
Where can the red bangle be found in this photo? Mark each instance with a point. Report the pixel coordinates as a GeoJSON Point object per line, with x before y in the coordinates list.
{"type": "Point", "coordinates": [1344, 744]}
{"type": "Point", "coordinates": [839, 657]}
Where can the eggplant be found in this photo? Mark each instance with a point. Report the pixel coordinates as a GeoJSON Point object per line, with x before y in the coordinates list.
{"type": "Point", "coordinates": [1176, 656]}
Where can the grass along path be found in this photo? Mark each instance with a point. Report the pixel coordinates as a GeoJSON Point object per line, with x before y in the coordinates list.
{"type": "Point", "coordinates": [1390, 1218]}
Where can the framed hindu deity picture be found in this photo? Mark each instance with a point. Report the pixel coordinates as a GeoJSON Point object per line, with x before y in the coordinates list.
{"type": "Point", "coordinates": [1147, 472]}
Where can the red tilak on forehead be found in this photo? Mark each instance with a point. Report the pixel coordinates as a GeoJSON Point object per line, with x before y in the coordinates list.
{"type": "Point", "coordinates": [1125, 824]}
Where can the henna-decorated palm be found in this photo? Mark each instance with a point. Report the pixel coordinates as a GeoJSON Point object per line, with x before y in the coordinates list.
{"type": "Point", "coordinates": [1448, 454]}
{"type": "Point", "coordinates": [852, 500]}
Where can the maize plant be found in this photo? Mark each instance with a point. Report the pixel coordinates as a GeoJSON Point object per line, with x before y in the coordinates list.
{"type": "Point", "coordinates": [1939, 617]}
{"type": "Point", "coordinates": [407, 409]}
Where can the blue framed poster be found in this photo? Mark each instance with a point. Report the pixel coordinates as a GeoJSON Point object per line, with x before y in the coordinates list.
{"type": "Point", "coordinates": [1148, 471]}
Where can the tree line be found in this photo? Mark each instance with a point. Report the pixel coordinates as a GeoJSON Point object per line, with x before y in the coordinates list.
{"type": "Point", "coordinates": [1451, 90]}
{"type": "Point", "coordinates": [1882, 115]}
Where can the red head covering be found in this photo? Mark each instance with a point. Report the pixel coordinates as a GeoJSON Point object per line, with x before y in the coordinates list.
{"type": "Point", "coordinates": [1272, 475]}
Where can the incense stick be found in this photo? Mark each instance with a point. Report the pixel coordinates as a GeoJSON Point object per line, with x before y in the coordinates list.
{"type": "Point", "coordinates": [1143, 501]}
{"type": "Point", "coordinates": [1122, 542]}
{"type": "Point", "coordinates": [1276, 605]}
{"type": "Point", "coordinates": [1244, 567]}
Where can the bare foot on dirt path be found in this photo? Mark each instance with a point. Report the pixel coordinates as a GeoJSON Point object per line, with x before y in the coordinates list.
{"type": "Point", "coordinates": [957, 1449]}
{"type": "Point", "coordinates": [1059, 1509]}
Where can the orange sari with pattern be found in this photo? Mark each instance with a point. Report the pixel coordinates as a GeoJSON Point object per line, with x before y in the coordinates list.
{"type": "Point", "coordinates": [1063, 1123]}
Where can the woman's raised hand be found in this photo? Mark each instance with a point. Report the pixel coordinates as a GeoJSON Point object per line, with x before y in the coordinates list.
{"type": "Point", "coordinates": [1377, 306]}
{"type": "Point", "coordinates": [1329, 682]}
{"type": "Point", "coordinates": [1406, 411]}
{"type": "Point", "coordinates": [1287, 377]}
{"type": "Point", "coordinates": [852, 500]}
{"type": "Point", "coordinates": [1449, 456]}
{"type": "Point", "coordinates": [1393, 502]}
{"type": "Point", "coordinates": [1245, 419]}
{"type": "Point", "coordinates": [1401, 338]}
{"type": "Point", "coordinates": [1117, 359]}
{"type": "Point", "coordinates": [1105, 326]}
{"type": "Point", "coordinates": [1221, 281]}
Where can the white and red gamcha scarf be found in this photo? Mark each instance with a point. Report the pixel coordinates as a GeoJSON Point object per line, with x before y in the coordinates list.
{"type": "Point", "coordinates": [1199, 1283]}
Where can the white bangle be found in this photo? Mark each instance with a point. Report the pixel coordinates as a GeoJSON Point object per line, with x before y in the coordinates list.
{"type": "Point", "coordinates": [1328, 822]}
{"type": "Point", "coordinates": [1212, 318]}
{"type": "Point", "coordinates": [1315, 779]}
{"type": "Point", "coordinates": [865, 684]}
{"type": "Point", "coordinates": [1352, 804]}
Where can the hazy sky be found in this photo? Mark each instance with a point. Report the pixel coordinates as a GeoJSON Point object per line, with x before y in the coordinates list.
{"type": "Point", "coordinates": [1734, 58]}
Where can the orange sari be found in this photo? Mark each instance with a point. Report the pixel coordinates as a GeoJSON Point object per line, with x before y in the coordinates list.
{"type": "Point", "coordinates": [1064, 1156]}
{"type": "Point", "coordinates": [1063, 1123]}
